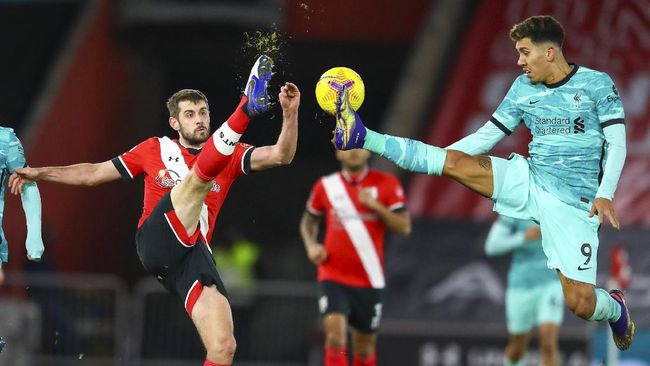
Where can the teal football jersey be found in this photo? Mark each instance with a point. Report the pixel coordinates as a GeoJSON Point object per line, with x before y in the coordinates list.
{"type": "Point", "coordinates": [566, 120]}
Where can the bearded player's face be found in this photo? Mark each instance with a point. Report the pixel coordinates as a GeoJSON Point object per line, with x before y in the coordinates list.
{"type": "Point", "coordinates": [193, 122]}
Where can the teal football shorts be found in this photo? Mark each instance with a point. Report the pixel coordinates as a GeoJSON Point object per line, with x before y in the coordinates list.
{"type": "Point", "coordinates": [569, 235]}
{"type": "Point", "coordinates": [530, 307]}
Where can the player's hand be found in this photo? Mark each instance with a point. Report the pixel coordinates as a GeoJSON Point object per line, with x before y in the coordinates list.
{"type": "Point", "coordinates": [317, 253]}
{"type": "Point", "coordinates": [366, 198]}
{"type": "Point", "coordinates": [604, 209]}
{"type": "Point", "coordinates": [21, 177]}
{"type": "Point", "coordinates": [289, 97]}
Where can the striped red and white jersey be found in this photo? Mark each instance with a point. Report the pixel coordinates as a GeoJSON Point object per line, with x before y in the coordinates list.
{"type": "Point", "coordinates": [354, 235]}
{"type": "Point", "coordinates": [166, 162]}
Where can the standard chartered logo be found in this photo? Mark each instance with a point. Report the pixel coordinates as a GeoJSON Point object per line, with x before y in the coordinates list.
{"type": "Point", "coordinates": [558, 126]}
{"type": "Point", "coordinates": [552, 126]}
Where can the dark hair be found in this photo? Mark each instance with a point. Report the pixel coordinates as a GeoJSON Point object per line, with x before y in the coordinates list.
{"type": "Point", "coordinates": [191, 95]}
{"type": "Point", "coordinates": [539, 28]}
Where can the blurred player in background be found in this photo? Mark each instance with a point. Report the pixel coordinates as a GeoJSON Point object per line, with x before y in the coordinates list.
{"type": "Point", "coordinates": [567, 184]}
{"type": "Point", "coordinates": [186, 183]}
{"type": "Point", "coordinates": [358, 204]}
{"type": "Point", "coordinates": [12, 157]}
{"type": "Point", "coordinates": [534, 293]}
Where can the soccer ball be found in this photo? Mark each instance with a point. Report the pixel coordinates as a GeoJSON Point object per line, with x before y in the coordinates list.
{"type": "Point", "coordinates": [328, 85]}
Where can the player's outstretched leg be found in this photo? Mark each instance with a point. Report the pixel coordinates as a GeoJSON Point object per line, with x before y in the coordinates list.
{"type": "Point", "coordinates": [622, 329]}
{"type": "Point", "coordinates": [412, 155]}
{"type": "Point", "coordinates": [474, 172]}
{"type": "Point", "coordinates": [187, 197]}
{"type": "Point", "coordinates": [255, 101]}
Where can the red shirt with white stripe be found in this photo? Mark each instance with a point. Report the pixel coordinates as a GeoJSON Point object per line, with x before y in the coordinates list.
{"type": "Point", "coordinates": [145, 158]}
{"type": "Point", "coordinates": [344, 263]}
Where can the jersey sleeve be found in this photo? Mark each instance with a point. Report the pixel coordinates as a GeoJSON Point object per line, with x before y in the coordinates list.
{"type": "Point", "coordinates": [504, 237]}
{"type": "Point", "coordinates": [316, 201]}
{"type": "Point", "coordinates": [131, 163]}
{"type": "Point", "coordinates": [15, 153]}
{"type": "Point", "coordinates": [608, 103]}
{"type": "Point", "coordinates": [508, 115]}
{"type": "Point", "coordinates": [395, 199]}
{"type": "Point", "coordinates": [481, 141]}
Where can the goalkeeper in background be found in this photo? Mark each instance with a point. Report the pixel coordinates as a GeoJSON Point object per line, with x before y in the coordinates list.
{"type": "Point", "coordinates": [534, 294]}
{"type": "Point", "coordinates": [12, 157]}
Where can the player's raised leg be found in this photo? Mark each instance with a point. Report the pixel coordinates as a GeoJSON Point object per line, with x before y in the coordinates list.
{"type": "Point", "coordinates": [188, 196]}
{"type": "Point", "coordinates": [475, 172]}
{"type": "Point", "coordinates": [255, 101]}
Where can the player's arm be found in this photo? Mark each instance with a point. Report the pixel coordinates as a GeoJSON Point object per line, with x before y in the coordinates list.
{"type": "Point", "coordinates": [615, 151]}
{"type": "Point", "coordinates": [31, 201]}
{"type": "Point", "coordinates": [4, 246]}
{"type": "Point", "coordinates": [309, 225]}
{"type": "Point", "coordinates": [85, 174]}
{"type": "Point", "coordinates": [481, 141]}
{"type": "Point", "coordinates": [283, 151]}
{"type": "Point", "coordinates": [502, 239]}
{"type": "Point", "coordinates": [612, 121]}
{"type": "Point", "coordinates": [397, 221]}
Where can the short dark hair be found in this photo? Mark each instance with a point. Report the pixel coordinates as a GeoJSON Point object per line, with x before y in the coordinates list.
{"type": "Point", "coordinates": [539, 28]}
{"type": "Point", "coordinates": [183, 95]}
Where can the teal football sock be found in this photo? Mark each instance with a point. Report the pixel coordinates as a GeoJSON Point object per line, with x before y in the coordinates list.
{"type": "Point", "coordinates": [606, 307]}
{"type": "Point", "coordinates": [412, 155]}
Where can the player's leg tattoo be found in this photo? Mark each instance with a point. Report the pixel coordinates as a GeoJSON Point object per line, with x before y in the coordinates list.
{"type": "Point", "coordinates": [485, 162]}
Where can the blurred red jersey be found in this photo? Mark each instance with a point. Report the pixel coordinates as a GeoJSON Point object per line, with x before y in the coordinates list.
{"type": "Point", "coordinates": [165, 163]}
{"type": "Point", "coordinates": [354, 235]}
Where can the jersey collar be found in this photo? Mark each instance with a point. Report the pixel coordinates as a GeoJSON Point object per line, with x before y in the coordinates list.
{"type": "Point", "coordinates": [356, 180]}
{"type": "Point", "coordinates": [565, 79]}
{"type": "Point", "coordinates": [191, 150]}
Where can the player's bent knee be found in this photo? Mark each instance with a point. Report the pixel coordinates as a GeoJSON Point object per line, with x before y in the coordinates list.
{"type": "Point", "coordinates": [222, 348]}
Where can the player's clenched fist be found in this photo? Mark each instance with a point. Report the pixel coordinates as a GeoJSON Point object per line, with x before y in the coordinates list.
{"type": "Point", "coordinates": [317, 253]}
